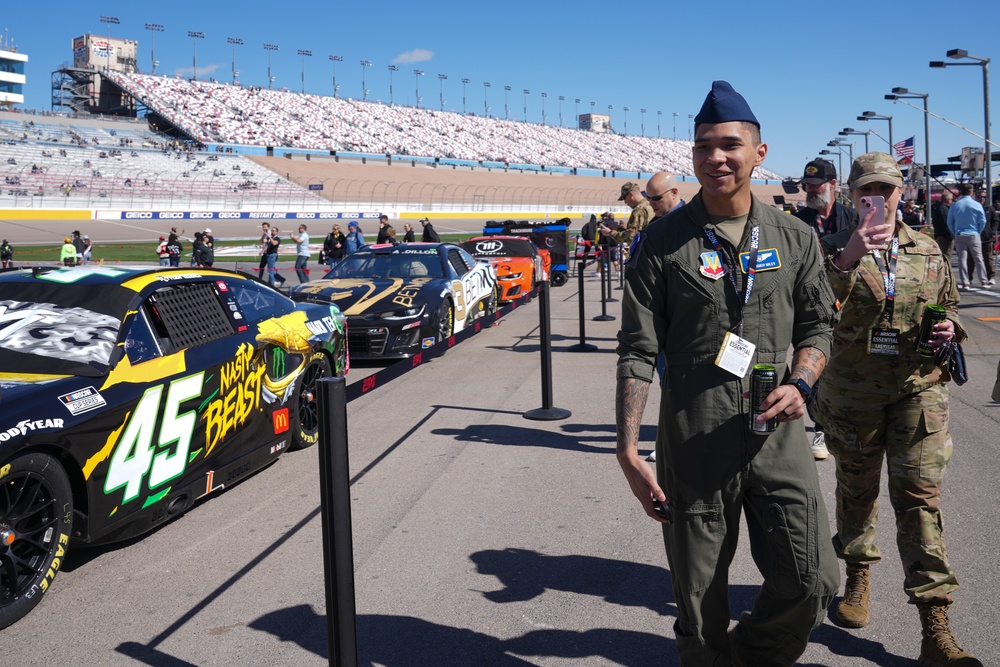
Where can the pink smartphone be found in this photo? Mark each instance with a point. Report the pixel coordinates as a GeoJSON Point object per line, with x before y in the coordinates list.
{"type": "Point", "coordinates": [876, 202]}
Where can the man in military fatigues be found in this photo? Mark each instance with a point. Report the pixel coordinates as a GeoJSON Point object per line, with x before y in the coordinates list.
{"type": "Point", "coordinates": [879, 399]}
{"type": "Point", "coordinates": [641, 214]}
{"type": "Point", "coordinates": [730, 283]}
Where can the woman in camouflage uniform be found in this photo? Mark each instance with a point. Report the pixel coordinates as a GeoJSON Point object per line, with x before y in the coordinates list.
{"type": "Point", "coordinates": [879, 399]}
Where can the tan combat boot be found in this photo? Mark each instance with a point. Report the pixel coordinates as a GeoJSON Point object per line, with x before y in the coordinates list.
{"type": "Point", "coordinates": [852, 612]}
{"type": "Point", "coordinates": [939, 647]}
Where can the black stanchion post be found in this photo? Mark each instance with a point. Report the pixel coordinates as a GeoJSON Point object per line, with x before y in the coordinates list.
{"type": "Point", "coordinates": [338, 544]}
{"type": "Point", "coordinates": [612, 260]}
{"type": "Point", "coordinates": [546, 412]}
{"type": "Point", "coordinates": [583, 345]}
{"type": "Point", "coordinates": [621, 268]}
{"type": "Point", "coordinates": [605, 268]}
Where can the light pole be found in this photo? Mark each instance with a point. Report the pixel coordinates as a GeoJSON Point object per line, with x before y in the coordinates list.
{"type": "Point", "coordinates": [985, 64]}
{"type": "Point", "coordinates": [392, 68]}
{"type": "Point", "coordinates": [270, 48]}
{"type": "Point", "coordinates": [441, 80]}
{"type": "Point", "coordinates": [840, 159]}
{"type": "Point", "coordinates": [675, 125]}
{"type": "Point", "coordinates": [850, 130]}
{"type": "Point", "coordinates": [562, 98]}
{"type": "Point", "coordinates": [840, 143]}
{"type": "Point", "coordinates": [659, 114]}
{"type": "Point", "coordinates": [235, 41]}
{"type": "Point", "coordinates": [153, 28]}
{"type": "Point", "coordinates": [690, 122]}
{"type": "Point", "coordinates": [333, 59]}
{"type": "Point", "coordinates": [506, 113]}
{"type": "Point", "coordinates": [526, 93]}
{"type": "Point", "coordinates": [303, 53]}
{"type": "Point", "coordinates": [417, 73]}
{"type": "Point", "coordinates": [486, 104]}
{"type": "Point", "coordinates": [544, 95]}
{"type": "Point", "coordinates": [576, 112]}
{"type": "Point", "coordinates": [609, 114]}
{"type": "Point", "coordinates": [365, 64]}
{"type": "Point", "coordinates": [110, 21]}
{"type": "Point", "coordinates": [195, 35]}
{"type": "Point", "coordinates": [904, 93]}
{"type": "Point", "coordinates": [626, 110]}
{"type": "Point", "coordinates": [642, 122]}
{"type": "Point", "coordinates": [871, 115]}
{"type": "Point", "coordinates": [465, 82]}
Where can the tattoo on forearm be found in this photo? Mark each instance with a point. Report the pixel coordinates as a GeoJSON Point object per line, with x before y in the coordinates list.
{"type": "Point", "coordinates": [630, 402]}
{"type": "Point", "coordinates": [808, 364]}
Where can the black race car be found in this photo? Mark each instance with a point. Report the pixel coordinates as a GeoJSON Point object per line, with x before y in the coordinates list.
{"type": "Point", "coordinates": [400, 299]}
{"type": "Point", "coordinates": [127, 394]}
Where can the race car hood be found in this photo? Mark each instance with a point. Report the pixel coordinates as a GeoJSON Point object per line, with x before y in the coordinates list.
{"type": "Point", "coordinates": [16, 388]}
{"type": "Point", "coordinates": [360, 296]}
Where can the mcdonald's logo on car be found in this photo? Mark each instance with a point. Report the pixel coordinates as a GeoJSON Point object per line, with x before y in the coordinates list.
{"type": "Point", "coordinates": [280, 420]}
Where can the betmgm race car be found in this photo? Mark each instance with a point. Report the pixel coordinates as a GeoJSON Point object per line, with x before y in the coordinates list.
{"type": "Point", "coordinates": [519, 263]}
{"type": "Point", "coordinates": [127, 394]}
{"type": "Point", "coordinates": [400, 299]}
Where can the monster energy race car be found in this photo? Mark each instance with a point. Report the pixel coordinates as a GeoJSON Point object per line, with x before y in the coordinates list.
{"type": "Point", "coordinates": [127, 394]}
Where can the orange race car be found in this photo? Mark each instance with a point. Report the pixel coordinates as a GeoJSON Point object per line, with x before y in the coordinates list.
{"type": "Point", "coordinates": [519, 263]}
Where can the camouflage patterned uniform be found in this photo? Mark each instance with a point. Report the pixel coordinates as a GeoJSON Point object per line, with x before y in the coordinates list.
{"type": "Point", "coordinates": [637, 221]}
{"type": "Point", "coordinates": [894, 407]}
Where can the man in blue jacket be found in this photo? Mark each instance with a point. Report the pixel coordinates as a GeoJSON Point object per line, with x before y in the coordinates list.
{"type": "Point", "coordinates": [966, 221]}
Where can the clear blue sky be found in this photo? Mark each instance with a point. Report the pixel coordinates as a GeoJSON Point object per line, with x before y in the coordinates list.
{"type": "Point", "coordinates": [807, 69]}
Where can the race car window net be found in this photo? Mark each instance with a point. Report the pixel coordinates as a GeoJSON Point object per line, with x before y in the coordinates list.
{"type": "Point", "coordinates": [457, 263]}
{"type": "Point", "coordinates": [188, 315]}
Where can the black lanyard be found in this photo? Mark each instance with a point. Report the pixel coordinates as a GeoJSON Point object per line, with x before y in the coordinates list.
{"type": "Point", "coordinates": [888, 278]}
{"type": "Point", "coordinates": [751, 264]}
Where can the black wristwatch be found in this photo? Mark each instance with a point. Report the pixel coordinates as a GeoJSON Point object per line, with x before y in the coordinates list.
{"type": "Point", "coordinates": [804, 389]}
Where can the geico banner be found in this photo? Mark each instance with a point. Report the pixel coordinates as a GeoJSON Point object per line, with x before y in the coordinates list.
{"type": "Point", "coordinates": [245, 215]}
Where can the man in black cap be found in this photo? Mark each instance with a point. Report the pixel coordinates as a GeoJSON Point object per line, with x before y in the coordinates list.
{"type": "Point", "coordinates": [822, 211]}
{"type": "Point", "coordinates": [729, 284]}
{"type": "Point", "coordinates": [826, 216]}
{"type": "Point", "coordinates": [429, 235]}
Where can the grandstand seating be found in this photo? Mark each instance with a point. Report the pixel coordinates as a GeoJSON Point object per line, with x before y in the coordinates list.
{"type": "Point", "coordinates": [217, 113]}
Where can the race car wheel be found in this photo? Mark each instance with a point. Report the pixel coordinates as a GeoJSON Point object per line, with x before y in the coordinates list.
{"type": "Point", "coordinates": [36, 516]}
{"type": "Point", "coordinates": [307, 426]}
{"type": "Point", "coordinates": [491, 303]}
{"type": "Point", "coordinates": [445, 321]}
{"type": "Point", "coordinates": [559, 278]}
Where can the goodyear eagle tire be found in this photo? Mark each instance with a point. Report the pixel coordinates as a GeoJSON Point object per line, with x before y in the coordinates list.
{"type": "Point", "coordinates": [306, 432]}
{"type": "Point", "coordinates": [445, 322]}
{"type": "Point", "coordinates": [36, 519]}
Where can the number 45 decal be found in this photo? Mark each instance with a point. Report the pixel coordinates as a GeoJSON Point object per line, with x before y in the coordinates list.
{"type": "Point", "coordinates": [135, 454]}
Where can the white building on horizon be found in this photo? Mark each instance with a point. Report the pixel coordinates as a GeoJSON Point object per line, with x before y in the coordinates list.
{"type": "Point", "coordinates": [12, 77]}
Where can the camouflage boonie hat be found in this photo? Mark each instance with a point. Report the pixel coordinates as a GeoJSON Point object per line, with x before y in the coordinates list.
{"type": "Point", "coordinates": [875, 168]}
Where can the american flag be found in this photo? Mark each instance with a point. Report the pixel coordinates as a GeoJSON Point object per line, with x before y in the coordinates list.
{"type": "Point", "coordinates": [904, 151]}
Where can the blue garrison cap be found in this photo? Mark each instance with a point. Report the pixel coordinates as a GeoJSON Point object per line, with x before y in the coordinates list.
{"type": "Point", "coordinates": [724, 105]}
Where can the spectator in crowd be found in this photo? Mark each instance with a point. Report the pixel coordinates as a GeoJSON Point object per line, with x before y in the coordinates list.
{"type": "Point", "coordinates": [174, 249]}
{"type": "Point", "coordinates": [6, 255]}
{"type": "Point", "coordinates": [301, 253]}
{"type": "Point", "coordinates": [161, 252]}
{"type": "Point", "coordinates": [880, 399]}
{"type": "Point", "coordinates": [408, 236]}
{"type": "Point", "coordinates": [80, 246]}
{"type": "Point", "coordinates": [333, 246]}
{"type": "Point", "coordinates": [912, 215]}
{"type": "Point", "coordinates": [88, 249]}
{"type": "Point", "coordinates": [429, 235]}
{"type": "Point", "coordinates": [265, 243]}
{"type": "Point", "coordinates": [271, 258]}
{"type": "Point", "coordinates": [208, 252]}
{"type": "Point", "coordinates": [988, 238]}
{"type": "Point", "coordinates": [939, 218]}
{"type": "Point", "coordinates": [822, 211]}
{"type": "Point", "coordinates": [198, 250]}
{"type": "Point", "coordinates": [67, 256]}
{"type": "Point", "coordinates": [355, 239]}
{"type": "Point", "coordinates": [607, 228]}
{"type": "Point", "coordinates": [966, 222]}
{"type": "Point", "coordinates": [640, 216]}
{"type": "Point", "coordinates": [383, 229]}
{"type": "Point", "coordinates": [663, 193]}
{"type": "Point", "coordinates": [391, 234]}
{"type": "Point", "coordinates": [712, 463]}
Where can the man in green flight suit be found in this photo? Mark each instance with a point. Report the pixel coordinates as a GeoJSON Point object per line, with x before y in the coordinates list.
{"type": "Point", "coordinates": [729, 283]}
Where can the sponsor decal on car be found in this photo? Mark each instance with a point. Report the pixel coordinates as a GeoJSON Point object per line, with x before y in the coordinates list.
{"type": "Point", "coordinates": [280, 421]}
{"type": "Point", "coordinates": [25, 425]}
{"type": "Point", "coordinates": [81, 401]}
